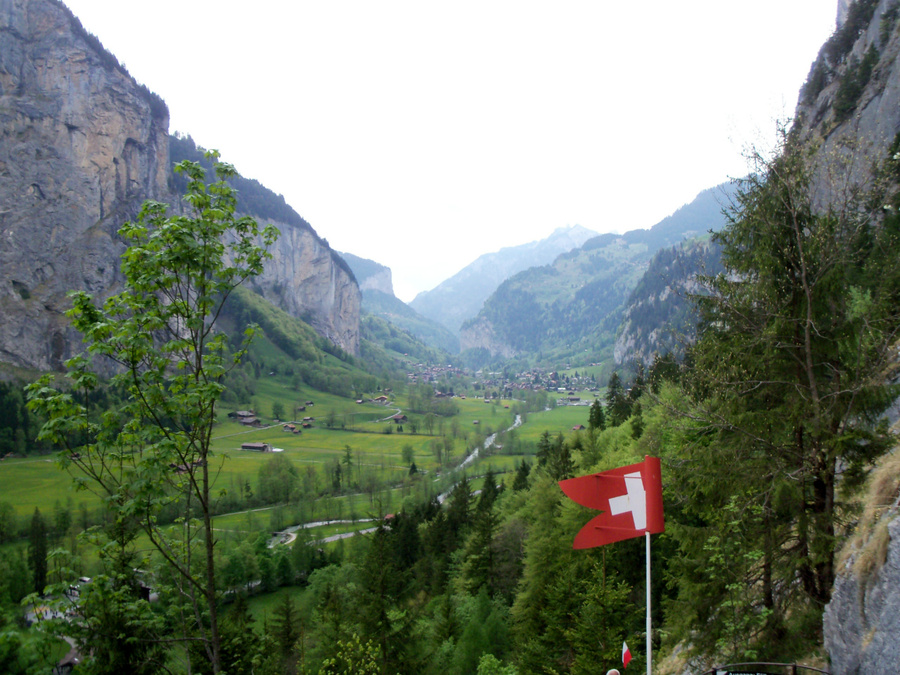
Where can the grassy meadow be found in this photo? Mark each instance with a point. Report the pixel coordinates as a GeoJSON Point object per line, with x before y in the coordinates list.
{"type": "Point", "coordinates": [376, 446]}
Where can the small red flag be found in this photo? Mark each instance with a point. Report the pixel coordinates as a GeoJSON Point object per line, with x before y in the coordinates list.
{"type": "Point", "coordinates": [626, 655]}
{"type": "Point", "coordinates": [630, 498]}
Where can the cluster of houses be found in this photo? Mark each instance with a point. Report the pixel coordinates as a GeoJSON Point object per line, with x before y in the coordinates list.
{"type": "Point", "coordinates": [246, 417]}
{"type": "Point", "coordinates": [424, 373]}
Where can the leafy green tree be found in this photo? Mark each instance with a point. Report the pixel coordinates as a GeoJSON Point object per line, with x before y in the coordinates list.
{"type": "Point", "coordinates": [490, 665]}
{"type": "Point", "coordinates": [486, 631]}
{"type": "Point", "coordinates": [556, 456]}
{"type": "Point", "coordinates": [637, 421]}
{"type": "Point", "coordinates": [279, 480]}
{"type": "Point", "coordinates": [278, 410]}
{"type": "Point", "coordinates": [152, 453]}
{"type": "Point", "coordinates": [117, 631]}
{"type": "Point", "coordinates": [354, 658]}
{"type": "Point", "coordinates": [15, 577]}
{"type": "Point", "coordinates": [479, 567]}
{"type": "Point", "coordinates": [408, 453]}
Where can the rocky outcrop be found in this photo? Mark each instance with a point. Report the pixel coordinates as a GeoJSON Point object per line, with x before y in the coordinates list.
{"type": "Point", "coordinates": [370, 275]}
{"type": "Point", "coordinates": [850, 104]}
{"type": "Point", "coordinates": [82, 145]}
{"type": "Point", "coordinates": [305, 280]}
{"type": "Point", "coordinates": [659, 318]}
{"type": "Point", "coordinates": [862, 621]}
{"type": "Point", "coordinates": [480, 334]}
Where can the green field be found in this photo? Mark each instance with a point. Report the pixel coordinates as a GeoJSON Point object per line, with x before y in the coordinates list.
{"type": "Point", "coordinates": [376, 450]}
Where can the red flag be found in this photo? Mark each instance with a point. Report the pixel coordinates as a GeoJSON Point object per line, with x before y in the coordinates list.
{"type": "Point", "coordinates": [626, 655]}
{"type": "Point", "coordinates": [629, 497]}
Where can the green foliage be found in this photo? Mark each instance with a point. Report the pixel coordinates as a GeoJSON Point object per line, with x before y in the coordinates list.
{"type": "Point", "coordinates": [118, 631]}
{"type": "Point", "coordinates": [834, 53]}
{"type": "Point", "coordinates": [787, 386]}
{"type": "Point", "coordinates": [37, 551]}
{"type": "Point", "coordinates": [8, 523]}
{"type": "Point", "coordinates": [285, 633]}
{"type": "Point", "coordinates": [596, 417]}
{"type": "Point", "coordinates": [16, 426]}
{"type": "Point", "coordinates": [311, 359]}
{"type": "Point", "coordinates": [853, 81]}
{"type": "Point", "coordinates": [839, 45]}
{"type": "Point", "coordinates": [399, 328]}
{"type": "Point", "coordinates": [279, 480]}
{"type": "Point", "coordinates": [618, 404]}
{"type": "Point", "coordinates": [353, 658]}
{"type": "Point", "coordinates": [555, 456]}
{"type": "Point", "coordinates": [151, 453]}
{"type": "Point", "coordinates": [489, 665]}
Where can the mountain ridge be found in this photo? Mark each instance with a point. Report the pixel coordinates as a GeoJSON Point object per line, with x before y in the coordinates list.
{"type": "Point", "coordinates": [460, 297]}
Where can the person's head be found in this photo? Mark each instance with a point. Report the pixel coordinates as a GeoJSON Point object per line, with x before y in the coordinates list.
{"type": "Point", "coordinates": [612, 671]}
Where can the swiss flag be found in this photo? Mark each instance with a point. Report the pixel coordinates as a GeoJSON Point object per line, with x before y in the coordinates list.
{"type": "Point", "coordinates": [629, 497]}
{"type": "Point", "coordinates": [626, 655]}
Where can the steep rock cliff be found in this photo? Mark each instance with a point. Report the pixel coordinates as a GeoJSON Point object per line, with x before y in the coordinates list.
{"type": "Point", "coordinates": [659, 317]}
{"type": "Point", "coordinates": [862, 622]}
{"type": "Point", "coordinates": [304, 279]}
{"type": "Point", "coordinates": [370, 275]}
{"type": "Point", "coordinates": [850, 104]}
{"type": "Point", "coordinates": [82, 145]}
{"type": "Point", "coordinates": [850, 108]}
{"type": "Point", "coordinates": [479, 333]}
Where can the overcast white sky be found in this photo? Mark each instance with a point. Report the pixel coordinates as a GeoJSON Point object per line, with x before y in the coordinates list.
{"type": "Point", "coordinates": [422, 134]}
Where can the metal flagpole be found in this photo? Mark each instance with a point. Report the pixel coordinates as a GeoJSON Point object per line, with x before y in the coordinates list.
{"type": "Point", "coordinates": [647, 535]}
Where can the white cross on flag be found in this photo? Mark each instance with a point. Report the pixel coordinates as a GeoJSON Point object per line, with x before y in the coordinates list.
{"type": "Point", "coordinates": [629, 497]}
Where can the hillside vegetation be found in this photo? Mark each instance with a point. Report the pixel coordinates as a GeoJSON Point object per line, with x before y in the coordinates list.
{"type": "Point", "coordinates": [571, 310]}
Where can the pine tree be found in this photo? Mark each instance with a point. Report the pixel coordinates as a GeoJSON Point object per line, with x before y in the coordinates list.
{"type": "Point", "coordinates": [37, 551]}
{"type": "Point", "coordinates": [285, 632]}
{"type": "Point", "coordinates": [520, 482]}
{"type": "Point", "coordinates": [618, 405]}
{"type": "Point", "coordinates": [787, 385]}
{"type": "Point", "coordinates": [596, 417]}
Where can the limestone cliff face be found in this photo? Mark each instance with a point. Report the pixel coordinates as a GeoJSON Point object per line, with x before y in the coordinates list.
{"type": "Point", "coordinates": [370, 275]}
{"type": "Point", "coordinates": [82, 145]}
{"type": "Point", "coordinates": [851, 110]}
{"type": "Point", "coordinates": [383, 282]}
{"type": "Point", "coordinates": [862, 621]}
{"type": "Point", "coordinates": [479, 333]}
{"type": "Point", "coordinates": [305, 279]}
